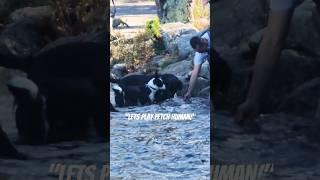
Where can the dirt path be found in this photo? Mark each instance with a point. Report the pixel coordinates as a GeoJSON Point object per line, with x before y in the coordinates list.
{"type": "Point", "coordinates": [135, 13]}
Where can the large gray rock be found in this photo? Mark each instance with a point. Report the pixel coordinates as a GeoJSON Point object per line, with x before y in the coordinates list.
{"type": "Point", "coordinates": [205, 70]}
{"type": "Point", "coordinates": [201, 84]}
{"type": "Point", "coordinates": [304, 31]}
{"type": "Point", "coordinates": [41, 12]}
{"type": "Point", "coordinates": [98, 37]}
{"type": "Point", "coordinates": [201, 89]}
{"type": "Point", "coordinates": [174, 11]}
{"type": "Point", "coordinates": [28, 35]}
{"type": "Point", "coordinates": [119, 70]}
{"type": "Point", "coordinates": [291, 72]}
{"type": "Point", "coordinates": [161, 61]}
{"type": "Point", "coordinates": [176, 37]}
{"type": "Point", "coordinates": [303, 101]}
{"type": "Point", "coordinates": [181, 68]}
{"type": "Point", "coordinates": [205, 92]}
{"type": "Point", "coordinates": [24, 36]}
{"type": "Point", "coordinates": [234, 26]}
{"type": "Point", "coordinates": [303, 34]}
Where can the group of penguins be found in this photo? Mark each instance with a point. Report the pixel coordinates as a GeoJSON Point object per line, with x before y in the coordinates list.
{"type": "Point", "coordinates": [139, 90]}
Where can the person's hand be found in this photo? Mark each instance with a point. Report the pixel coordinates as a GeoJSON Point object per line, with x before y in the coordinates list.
{"type": "Point", "coordinates": [247, 113]}
{"type": "Point", "coordinates": [187, 96]}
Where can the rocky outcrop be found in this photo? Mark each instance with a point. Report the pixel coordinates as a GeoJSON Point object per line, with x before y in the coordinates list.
{"type": "Point", "coordinates": [176, 38]}
{"type": "Point", "coordinates": [173, 11]}
{"type": "Point", "coordinates": [119, 70]}
{"type": "Point", "coordinates": [26, 36]}
{"type": "Point", "coordinates": [40, 12]}
{"type": "Point", "coordinates": [236, 25]}
{"type": "Point", "coordinates": [303, 100]}
{"type": "Point", "coordinates": [205, 71]}
{"type": "Point", "coordinates": [181, 68]}
{"type": "Point", "coordinates": [304, 34]}
{"type": "Point", "coordinates": [296, 70]}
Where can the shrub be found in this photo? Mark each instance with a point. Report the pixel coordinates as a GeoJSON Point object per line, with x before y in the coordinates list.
{"type": "Point", "coordinates": [153, 28]}
{"type": "Point", "coordinates": [135, 53]}
{"type": "Point", "coordinates": [74, 17]}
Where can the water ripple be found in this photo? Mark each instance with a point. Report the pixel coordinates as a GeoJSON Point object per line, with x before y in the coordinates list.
{"type": "Point", "coordinates": [164, 149]}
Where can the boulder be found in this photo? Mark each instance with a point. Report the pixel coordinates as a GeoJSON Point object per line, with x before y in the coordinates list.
{"type": "Point", "coordinates": [181, 68]}
{"type": "Point", "coordinates": [119, 70]}
{"type": "Point", "coordinates": [205, 70]}
{"type": "Point", "coordinates": [233, 27]}
{"type": "Point", "coordinates": [304, 35]}
{"type": "Point", "coordinates": [40, 12]}
{"type": "Point", "coordinates": [200, 85]}
{"type": "Point", "coordinates": [173, 11]}
{"type": "Point", "coordinates": [303, 101]}
{"type": "Point", "coordinates": [163, 60]}
{"type": "Point", "coordinates": [293, 70]}
{"type": "Point", "coordinates": [205, 92]}
{"type": "Point", "coordinates": [176, 38]}
{"type": "Point", "coordinates": [26, 36]}
{"type": "Point", "coordinates": [201, 88]}
{"type": "Point", "coordinates": [98, 37]}
{"type": "Point", "coordinates": [185, 85]}
{"type": "Point", "coordinates": [304, 31]}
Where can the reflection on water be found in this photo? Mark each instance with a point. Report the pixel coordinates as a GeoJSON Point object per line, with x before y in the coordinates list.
{"type": "Point", "coordinates": [161, 149]}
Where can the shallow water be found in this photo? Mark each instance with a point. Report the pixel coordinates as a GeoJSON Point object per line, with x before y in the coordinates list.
{"type": "Point", "coordinates": [161, 149]}
{"type": "Point", "coordinates": [281, 141]}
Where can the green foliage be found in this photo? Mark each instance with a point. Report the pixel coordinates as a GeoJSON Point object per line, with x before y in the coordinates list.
{"type": "Point", "coordinates": [153, 28]}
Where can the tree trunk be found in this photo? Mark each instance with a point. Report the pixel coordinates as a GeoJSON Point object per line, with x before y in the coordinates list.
{"type": "Point", "coordinates": [173, 10]}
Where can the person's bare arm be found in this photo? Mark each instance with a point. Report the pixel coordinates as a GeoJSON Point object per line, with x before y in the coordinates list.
{"type": "Point", "coordinates": [268, 54]}
{"type": "Point", "coordinates": [193, 80]}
